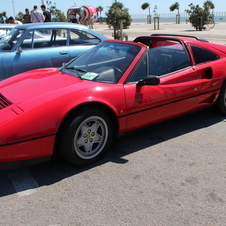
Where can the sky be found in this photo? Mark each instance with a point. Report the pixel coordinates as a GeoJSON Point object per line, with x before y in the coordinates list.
{"type": "Point", "coordinates": [12, 8]}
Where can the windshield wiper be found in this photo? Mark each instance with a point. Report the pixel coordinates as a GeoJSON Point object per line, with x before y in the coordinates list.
{"type": "Point", "coordinates": [76, 69]}
{"type": "Point", "coordinates": [63, 68]}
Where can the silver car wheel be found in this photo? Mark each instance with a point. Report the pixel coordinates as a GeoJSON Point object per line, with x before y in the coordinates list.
{"type": "Point", "coordinates": [90, 137]}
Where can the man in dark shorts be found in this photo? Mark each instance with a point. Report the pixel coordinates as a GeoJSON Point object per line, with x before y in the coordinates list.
{"type": "Point", "coordinates": [46, 14]}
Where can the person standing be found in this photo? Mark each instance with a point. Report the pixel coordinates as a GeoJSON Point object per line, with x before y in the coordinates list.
{"type": "Point", "coordinates": [37, 16]}
{"type": "Point", "coordinates": [2, 18]}
{"type": "Point", "coordinates": [46, 14]}
{"type": "Point", "coordinates": [75, 17]}
{"type": "Point", "coordinates": [27, 17]}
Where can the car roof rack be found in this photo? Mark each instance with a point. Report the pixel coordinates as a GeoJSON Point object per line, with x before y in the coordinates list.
{"type": "Point", "coordinates": [186, 36]}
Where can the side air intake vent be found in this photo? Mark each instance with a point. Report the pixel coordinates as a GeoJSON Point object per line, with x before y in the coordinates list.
{"type": "Point", "coordinates": [4, 102]}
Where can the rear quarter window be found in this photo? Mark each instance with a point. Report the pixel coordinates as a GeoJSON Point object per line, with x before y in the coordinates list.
{"type": "Point", "coordinates": [82, 37]}
{"type": "Point", "coordinates": [202, 55]}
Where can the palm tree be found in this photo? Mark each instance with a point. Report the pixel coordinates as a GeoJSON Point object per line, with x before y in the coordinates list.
{"type": "Point", "coordinates": [100, 9]}
{"type": "Point", "coordinates": [208, 5]}
{"type": "Point", "coordinates": [176, 6]}
{"type": "Point", "coordinates": [145, 6]}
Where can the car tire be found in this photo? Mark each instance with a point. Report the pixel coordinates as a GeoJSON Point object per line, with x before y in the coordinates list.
{"type": "Point", "coordinates": [220, 104]}
{"type": "Point", "coordinates": [85, 137]}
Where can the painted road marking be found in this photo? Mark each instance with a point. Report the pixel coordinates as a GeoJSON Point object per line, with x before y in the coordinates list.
{"type": "Point", "coordinates": [23, 182]}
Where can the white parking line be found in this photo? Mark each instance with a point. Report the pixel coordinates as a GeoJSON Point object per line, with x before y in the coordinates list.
{"type": "Point", "coordinates": [23, 182]}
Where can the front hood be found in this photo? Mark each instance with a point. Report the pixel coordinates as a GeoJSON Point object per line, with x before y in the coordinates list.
{"type": "Point", "coordinates": [31, 84]}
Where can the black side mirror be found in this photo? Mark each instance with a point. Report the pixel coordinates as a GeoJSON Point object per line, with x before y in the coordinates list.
{"type": "Point", "coordinates": [149, 80]}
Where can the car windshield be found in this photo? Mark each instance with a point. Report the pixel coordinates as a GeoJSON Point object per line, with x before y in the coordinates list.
{"type": "Point", "coordinates": [10, 39]}
{"type": "Point", "coordinates": [4, 31]}
{"type": "Point", "coordinates": [104, 63]}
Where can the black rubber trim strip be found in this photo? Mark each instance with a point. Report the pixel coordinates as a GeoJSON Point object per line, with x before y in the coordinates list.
{"type": "Point", "coordinates": [22, 141]}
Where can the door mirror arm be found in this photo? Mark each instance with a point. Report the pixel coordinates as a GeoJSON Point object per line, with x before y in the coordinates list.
{"type": "Point", "coordinates": [19, 50]}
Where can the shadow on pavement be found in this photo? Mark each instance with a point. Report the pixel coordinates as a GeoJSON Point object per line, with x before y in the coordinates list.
{"type": "Point", "coordinates": [58, 169]}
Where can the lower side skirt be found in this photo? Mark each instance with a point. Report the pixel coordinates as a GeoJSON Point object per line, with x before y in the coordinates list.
{"type": "Point", "coordinates": [23, 163]}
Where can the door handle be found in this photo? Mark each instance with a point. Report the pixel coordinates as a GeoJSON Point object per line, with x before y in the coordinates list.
{"type": "Point", "coordinates": [63, 53]}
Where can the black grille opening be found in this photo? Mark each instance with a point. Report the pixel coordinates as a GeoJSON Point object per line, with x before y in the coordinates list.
{"type": "Point", "coordinates": [4, 102]}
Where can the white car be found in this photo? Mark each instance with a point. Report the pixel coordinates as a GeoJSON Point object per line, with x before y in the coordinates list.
{"type": "Point", "coordinates": [6, 28]}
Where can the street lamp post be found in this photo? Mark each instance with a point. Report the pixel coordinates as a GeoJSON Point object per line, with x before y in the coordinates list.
{"type": "Point", "coordinates": [13, 9]}
{"type": "Point", "coordinates": [42, 2]}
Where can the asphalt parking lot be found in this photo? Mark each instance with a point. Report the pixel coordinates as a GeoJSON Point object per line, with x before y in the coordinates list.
{"type": "Point", "coordinates": [171, 174]}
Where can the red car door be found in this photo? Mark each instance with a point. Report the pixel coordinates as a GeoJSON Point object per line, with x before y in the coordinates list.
{"type": "Point", "coordinates": [176, 94]}
{"type": "Point", "coordinates": [151, 104]}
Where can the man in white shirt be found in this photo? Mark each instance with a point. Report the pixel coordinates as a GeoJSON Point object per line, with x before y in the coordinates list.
{"type": "Point", "coordinates": [13, 21]}
{"type": "Point", "coordinates": [37, 16]}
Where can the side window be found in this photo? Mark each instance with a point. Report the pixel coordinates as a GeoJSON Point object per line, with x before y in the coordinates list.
{"type": "Point", "coordinates": [59, 37]}
{"type": "Point", "coordinates": [82, 37]}
{"type": "Point", "coordinates": [203, 55]}
{"type": "Point", "coordinates": [27, 42]}
{"type": "Point", "coordinates": [45, 38]}
{"type": "Point", "coordinates": [140, 72]}
{"type": "Point", "coordinates": [167, 59]}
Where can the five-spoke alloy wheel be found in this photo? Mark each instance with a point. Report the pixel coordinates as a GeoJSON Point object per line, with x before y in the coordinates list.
{"type": "Point", "coordinates": [85, 137]}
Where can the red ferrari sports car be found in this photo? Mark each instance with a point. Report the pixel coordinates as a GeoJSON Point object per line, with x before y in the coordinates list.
{"type": "Point", "coordinates": [115, 87]}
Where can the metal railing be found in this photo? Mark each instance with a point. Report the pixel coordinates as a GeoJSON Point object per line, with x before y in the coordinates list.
{"type": "Point", "coordinates": [171, 17]}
